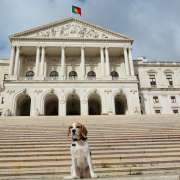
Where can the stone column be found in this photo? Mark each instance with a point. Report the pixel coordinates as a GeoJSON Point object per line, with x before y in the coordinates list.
{"type": "Point", "coordinates": [107, 62]}
{"type": "Point", "coordinates": [37, 62]}
{"type": "Point", "coordinates": [63, 62]}
{"type": "Point", "coordinates": [62, 103]}
{"type": "Point", "coordinates": [131, 62]}
{"type": "Point", "coordinates": [84, 102]}
{"type": "Point", "coordinates": [102, 61]}
{"type": "Point", "coordinates": [126, 62]}
{"type": "Point", "coordinates": [82, 63]}
{"type": "Point", "coordinates": [16, 61]}
{"type": "Point", "coordinates": [12, 61]}
{"type": "Point", "coordinates": [42, 62]}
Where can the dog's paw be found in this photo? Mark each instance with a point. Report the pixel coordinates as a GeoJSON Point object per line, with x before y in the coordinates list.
{"type": "Point", "coordinates": [70, 177]}
{"type": "Point", "coordinates": [94, 175]}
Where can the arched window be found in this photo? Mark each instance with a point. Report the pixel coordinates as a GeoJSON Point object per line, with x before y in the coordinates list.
{"type": "Point", "coordinates": [29, 75]}
{"type": "Point", "coordinates": [73, 75]}
{"type": "Point", "coordinates": [114, 75]}
{"type": "Point", "coordinates": [54, 74]}
{"type": "Point", "coordinates": [91, 75]}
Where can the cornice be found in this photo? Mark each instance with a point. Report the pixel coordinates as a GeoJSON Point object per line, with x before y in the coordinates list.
{"type": "Point", "coordinates": [69, 81]}
{"type": "Point", "coordinates": [68, 40]}
{"type": "Point", "coordinates": [164, 64]}
{"type": "Point", "coordinates": [159, 89]}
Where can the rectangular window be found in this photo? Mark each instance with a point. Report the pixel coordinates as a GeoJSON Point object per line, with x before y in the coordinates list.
{"type": "Point", "coordinates": [175, 111]}
{"type": "Point", "coordinates": [2, 100]}
{"type": "Point", "coordinates": [137, 75]}
{"type": "Point", "coordinates": [155, 99]}
{"type": "Point", "coordinates": [157, 111]}
{"type": "Point", "coordinates": [152, 80]}
{"type": "Point", "coordinates": [170, 80]}
{"type": "Point", "coordinates": [173, 99]}
{"type": "Point", "coordinates": [5, 77]}
{"type": "Point", "coordinates": [140, 100]}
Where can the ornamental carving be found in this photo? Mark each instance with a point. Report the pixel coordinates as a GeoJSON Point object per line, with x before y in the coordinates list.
{"type": "Point", "coordinates": [133, 91]}
{"type": "Point", "coordinates": [72, 30]}
{"type": "Point", "coordinates": [11, 91]}
{"type": "Point", "coordinates": [38, 91]}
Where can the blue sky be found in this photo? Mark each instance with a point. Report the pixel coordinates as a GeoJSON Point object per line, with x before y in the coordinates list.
{"type": "Point", "coordinates": [153, 24]}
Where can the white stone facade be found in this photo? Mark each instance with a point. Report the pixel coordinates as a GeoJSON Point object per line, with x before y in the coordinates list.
{"type": "Point", "coordinates": [163, 96]}
{"type": "Point", "coordinates": [71, 67]}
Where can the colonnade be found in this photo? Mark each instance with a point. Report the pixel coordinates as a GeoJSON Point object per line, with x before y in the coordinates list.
{"type": "Point", "coordinates": [40, 61]}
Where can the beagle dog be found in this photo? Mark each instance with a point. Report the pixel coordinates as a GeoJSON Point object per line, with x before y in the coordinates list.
{"type": "Point", "coordinates": [80, 153]}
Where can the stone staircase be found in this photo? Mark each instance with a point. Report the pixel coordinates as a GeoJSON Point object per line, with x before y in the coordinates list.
{"type": "Point", "coordinates": [38, 148]}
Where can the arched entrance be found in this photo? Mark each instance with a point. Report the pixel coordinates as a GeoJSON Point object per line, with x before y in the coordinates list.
{"type": "Point", "coordinates": [120, 104]}
{"type": "Point", "coordinates": [94, 104]}
{"type": "Point", "coordinates": [23, 105]}
{"type": "Point", "coordinates": [51, 104]}
{"type": "Point", "coordinates": [73, 105]}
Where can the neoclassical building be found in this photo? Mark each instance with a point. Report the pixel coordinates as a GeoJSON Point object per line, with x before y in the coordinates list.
{"type": "Point", "coordinates": [72, 67]}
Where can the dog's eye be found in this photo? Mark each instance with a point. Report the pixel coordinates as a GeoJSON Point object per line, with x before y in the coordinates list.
{"type": "Point", "coordinates": [70, 127]}
{"type": "Point", "coordinates": [77, 126]}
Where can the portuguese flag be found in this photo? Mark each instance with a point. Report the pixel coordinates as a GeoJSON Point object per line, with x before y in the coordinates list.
{"type": "Point", "coordinates": [76, 10]}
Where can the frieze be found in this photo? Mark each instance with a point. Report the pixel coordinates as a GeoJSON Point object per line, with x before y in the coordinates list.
{"type": "Point", "coordinates": [72, 30]}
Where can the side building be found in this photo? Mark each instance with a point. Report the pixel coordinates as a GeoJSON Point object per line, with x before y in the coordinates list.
{"type": "Point", "coordinates": [159, 86]}
{"type": "Point", "coordinates": [4, 71]}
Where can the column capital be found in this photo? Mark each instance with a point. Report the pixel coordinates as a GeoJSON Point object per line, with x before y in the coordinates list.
{"type": "Point", "coordinates": [13, 46]}
{"type": "Point", "coordinates": [63, 47]}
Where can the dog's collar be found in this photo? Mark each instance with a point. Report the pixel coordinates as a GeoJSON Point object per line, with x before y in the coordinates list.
{"type": "Point", "coordinates": [74, 139]}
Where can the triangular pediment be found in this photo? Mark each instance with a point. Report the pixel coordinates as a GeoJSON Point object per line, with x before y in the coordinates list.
{"type": "Point", "coordinates": [70, 29]}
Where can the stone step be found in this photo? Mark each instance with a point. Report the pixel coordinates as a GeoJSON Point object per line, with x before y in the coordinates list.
{"type": "Point", "coordinates": [101, 171]}
{"type": "Point", "coordinates": [106, 142]}
{"type": "Point", "coordinates": [108, 136]}
{"type": "Point", "coordinates": [51, 157]}
{"type": "Point", "coordinates": [155, 176]}
{"type": "Point", "coordinates": [64, 163]}
{"type": "Point", "coordinates": [105, 145]}
{"type": "Point", "coordinates": [120, 146]}
{"type": "Point", "coordinates": [48, 152]}
{"type": "Point", "coordinates": [93, 148]}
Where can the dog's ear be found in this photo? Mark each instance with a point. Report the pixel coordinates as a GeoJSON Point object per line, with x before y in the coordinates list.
{"type": "Point", "coordinates": [83, 131]}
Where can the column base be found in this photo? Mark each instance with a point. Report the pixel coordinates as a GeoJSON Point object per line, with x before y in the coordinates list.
{"type": "Point", "coordinates": [13, 77]}
{"type": "Point", "coordinates": [37, 78]}
{"type": "Point", "coordinates": [41, 78]}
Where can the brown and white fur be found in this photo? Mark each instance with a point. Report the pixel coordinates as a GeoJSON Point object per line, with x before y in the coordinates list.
{"type": "Point", "coordinates": [80, 153]}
